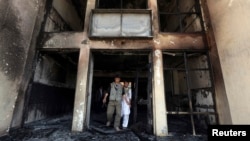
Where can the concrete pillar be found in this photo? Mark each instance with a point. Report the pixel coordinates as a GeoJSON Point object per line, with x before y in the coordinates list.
{"type": "Point", "coordinates": [152, 4]}
{"type": "Point", "coordinates": [90, 5]}
{"type": "Point", "coordinates": [79, 114]}
{"type": "Point", "coordinates": [80, 107]}
{"type": "Point", "coordinates": [159, 104]}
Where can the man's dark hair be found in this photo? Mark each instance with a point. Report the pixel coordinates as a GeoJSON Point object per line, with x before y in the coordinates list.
{"type": "Point", "coordinates": [117, 76]}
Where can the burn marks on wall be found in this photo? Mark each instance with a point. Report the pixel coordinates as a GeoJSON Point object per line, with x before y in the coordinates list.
{"type": "Point", "coordinates": [189, 91]}
{"type": "Point", "coordinates": [53, 88]}
{"type": "Point", "coordinates": [57, 68]}
{"type": "Point", "coordinates": [65, 15]}
{"type": "Point", "coordinates": [12, 47]}
{"type": "Point", "coordinates": [179, 16]}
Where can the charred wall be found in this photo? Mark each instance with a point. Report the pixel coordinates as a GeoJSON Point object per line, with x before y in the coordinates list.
{"type": "Point", "coordinates": [19, 30]}
{"type": "Point", "coordinates": [49, 101]}
{"type": "Point", "coordinates": [53, 87]}
{"type": "Point", "coordinates": [180, 16]}
{"type": "Point", "coordinates": [63, 15]}
{"type": "Point", "coordinates": [230, 25]}
{"type": "Point", "coordinates": [189, 87]}
{"type": "Point", "coordinates": [23, 23]}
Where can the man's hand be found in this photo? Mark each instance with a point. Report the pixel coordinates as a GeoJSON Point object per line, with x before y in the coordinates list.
{"type": "Point", "coordinates": [104, 100]}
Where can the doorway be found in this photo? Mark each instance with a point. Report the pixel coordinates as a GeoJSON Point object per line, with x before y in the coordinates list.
{"type": "Point", "coordinates": [132, 66]}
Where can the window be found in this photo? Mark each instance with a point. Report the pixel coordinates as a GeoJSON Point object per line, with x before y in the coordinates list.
{"type": "Point", "coordinates": [120, 23]}
{"type": "Point", "coordinates": [180, 16]}
{"type": "Point", "coordinates": [120, 18]}
{"type": "Point", "coordinates": [189, 91]}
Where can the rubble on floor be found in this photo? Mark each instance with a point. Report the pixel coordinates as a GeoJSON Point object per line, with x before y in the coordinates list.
{"type": "Point", "coordinates": [59, 129]}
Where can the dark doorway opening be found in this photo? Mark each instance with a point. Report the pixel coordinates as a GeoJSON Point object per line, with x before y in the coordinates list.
{"type": "Point", "coordinates": [133, 66]}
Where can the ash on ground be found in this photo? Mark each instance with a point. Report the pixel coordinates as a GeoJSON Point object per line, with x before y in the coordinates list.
{"type": "Point", "coordinates": [59, 129]}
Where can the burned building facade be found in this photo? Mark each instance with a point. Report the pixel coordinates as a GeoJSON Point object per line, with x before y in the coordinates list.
{"type": "Point", "coordinates": [185, 59]}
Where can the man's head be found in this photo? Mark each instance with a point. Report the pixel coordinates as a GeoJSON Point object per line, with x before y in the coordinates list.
{"type": "Point", "coordinates": [126, 83]}
{"type": "Point", "coordinates": [117, 78]}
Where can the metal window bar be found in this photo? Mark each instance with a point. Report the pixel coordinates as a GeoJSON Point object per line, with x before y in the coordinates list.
{"type": "Point", "coordinates": [192, 23]}
{"type": "Point", "coordinates": [183, 69]}
{"type": "Point", "coordinates": [178, 13]}
{"type": "Point", "coordinates": [120, 4]}
{"type": "Point", "coordinates": [198, 8]}
{"type": "Point", "coordinates": [149, 90]}
{"type": "Point", "coordinates": [182, 19]}
{"type": "Point", "coordinates": [179, 16]}
{"type": "Point", "coordinates": [203, 88]}
{"type": "Point", "coordinates": [121, 20]}
{"type": "Point", "coordinates": [172, 82]}
{"type": "Point", "coordinates": [212, 85]}
{"type": "Point", "coordinates": [197, 13]}
{"type": "Point", "coordinates": [189, 94]}
{"type": "Point", "coordinates": [191, 112]}
{"type": "Point", "coordinates": [180, 69]}
{"type": "Point", "coordinates": [188, 113]}
{"type": "Point", "coordinates": [199, 69]}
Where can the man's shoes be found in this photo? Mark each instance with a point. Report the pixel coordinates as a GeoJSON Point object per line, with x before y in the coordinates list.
{"type": "Point", "coordinates": [108, 123]}
{"type": "Point", "coordinates": [124, 128]}
{"type": "Point", "coordinates": [117, 129]}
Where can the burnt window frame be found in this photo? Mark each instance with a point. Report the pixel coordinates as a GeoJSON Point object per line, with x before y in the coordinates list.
{"type": "Point", "coordinates": [180, 29]}
{"type": "Point", "coordinates": [190, 91]}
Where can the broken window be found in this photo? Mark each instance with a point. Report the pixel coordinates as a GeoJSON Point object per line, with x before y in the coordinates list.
{"type": "Point", "coordinates": [180, 16]}
{"type": "Point", "coordinates": [189, 92]}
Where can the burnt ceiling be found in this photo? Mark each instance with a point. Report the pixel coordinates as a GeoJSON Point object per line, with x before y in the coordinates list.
{"type": "Point", "coordinates": [120, 61]}
{"type": "Point", "coordinates": [106, 60]}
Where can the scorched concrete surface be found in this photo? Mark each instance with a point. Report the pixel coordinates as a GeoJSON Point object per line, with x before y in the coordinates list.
{"type": "Point", "coordinates": [58, 129]}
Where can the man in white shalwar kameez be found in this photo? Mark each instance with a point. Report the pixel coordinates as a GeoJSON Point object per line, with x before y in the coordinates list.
{"type": "Point", "coordinates": [126, 104]}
